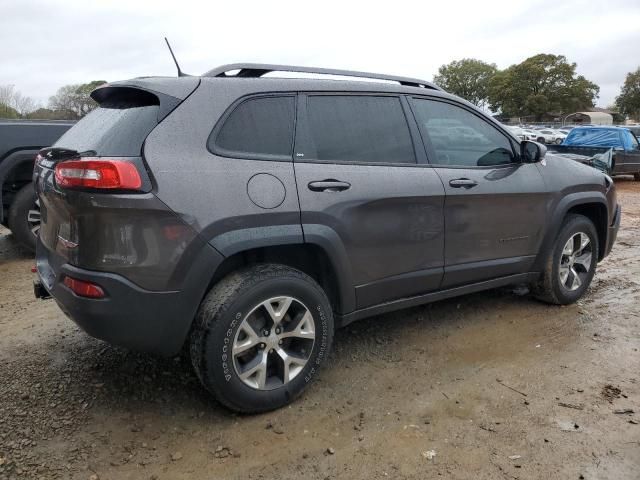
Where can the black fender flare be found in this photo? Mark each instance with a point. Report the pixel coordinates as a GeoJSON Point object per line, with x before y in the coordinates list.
{"type": "Point", "coordinates": [330, 242]}
{"type": "Point", "coordinates": [557, 216]}
{"type": "Point", "coordinates": [321, 236]}
{"type": "Point", "coordinates": [11, 161]}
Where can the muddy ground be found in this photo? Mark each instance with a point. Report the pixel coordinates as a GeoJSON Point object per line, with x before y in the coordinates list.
{"type": "Point", "coordinates": [488, 386]}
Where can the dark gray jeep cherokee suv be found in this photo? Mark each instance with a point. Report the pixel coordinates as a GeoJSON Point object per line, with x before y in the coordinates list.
{"type": "Point", "coordinates": [249, 217]}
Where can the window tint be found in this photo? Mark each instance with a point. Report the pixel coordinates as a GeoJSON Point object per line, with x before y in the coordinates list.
{"type": "Point", "coordinates": [359, 129]}
{"type": "Point", "coordinates": [259, 126]}
{"type": "Point", "coordinates": [460, 138]}
{"type": "Point", "coordinates": [116, 128]}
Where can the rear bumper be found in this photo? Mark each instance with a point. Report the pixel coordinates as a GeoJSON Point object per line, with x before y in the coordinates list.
{"type": "Point", "coordinates": [129, 316]}
{"type": "Point", "coordinates": [612, 232]}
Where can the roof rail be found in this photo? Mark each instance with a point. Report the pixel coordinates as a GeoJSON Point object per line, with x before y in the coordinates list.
{"type": "Point", "coordinates": [256, 70]}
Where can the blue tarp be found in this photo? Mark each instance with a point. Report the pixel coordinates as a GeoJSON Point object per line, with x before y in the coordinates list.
{"type": "Point", "coordinates": [612, 137]}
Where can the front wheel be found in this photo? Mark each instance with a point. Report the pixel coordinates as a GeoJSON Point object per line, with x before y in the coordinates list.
{"type": "Point", "coordinates": [571, 264]}
{"type": "Point", "coordinates": [541, 140]}
{"type": "Point", "coordinates": [260, 337]}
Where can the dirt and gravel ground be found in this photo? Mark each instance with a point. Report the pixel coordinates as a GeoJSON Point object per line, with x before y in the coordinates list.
{"type": "Point", "coordinates": [488, 386]}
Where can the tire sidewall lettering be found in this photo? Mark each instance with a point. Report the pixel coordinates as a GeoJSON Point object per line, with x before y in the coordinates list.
{"type": "Point", "coordinates": [226, 341]}
{"type": "Point", "coordinates": [324, 326]}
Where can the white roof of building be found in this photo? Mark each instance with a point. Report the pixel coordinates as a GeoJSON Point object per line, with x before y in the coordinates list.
{"type": "Point", "coordinates": [599, 118]}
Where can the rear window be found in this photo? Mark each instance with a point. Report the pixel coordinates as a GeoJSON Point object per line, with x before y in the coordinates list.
{"type": "Point", "coordinates": [260, 127]}
{"type": "Point", "coordinates": [117, 128]}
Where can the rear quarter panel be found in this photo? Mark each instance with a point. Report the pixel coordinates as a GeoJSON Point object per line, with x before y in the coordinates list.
{"type": "Point", "coordinates": [210, 192]}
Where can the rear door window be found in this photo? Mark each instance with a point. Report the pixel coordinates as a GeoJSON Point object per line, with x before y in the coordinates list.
{"type": "Point", "coordinates": [359, 128]}
{"type": "Point", "coordinates": [260, 128]}
{"type": "Point", "coordinates": [118, 128]}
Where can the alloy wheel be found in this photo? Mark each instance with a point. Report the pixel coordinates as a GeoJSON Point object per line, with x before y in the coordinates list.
{"type": "Point", "coordinates": [33, 218]}
{"type": "Point", "coordinates": [273, 343]}
{"type": "Point", "coordinates": [575, 261]}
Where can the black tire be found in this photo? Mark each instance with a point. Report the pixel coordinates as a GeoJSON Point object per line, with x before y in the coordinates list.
{"type": "Point", "coordinates": [18, 216]}
{"type": "Point", "coordinates": [550, 288]}
{"type": "Point", "coordinates": [636, 176]}
{"type": "Point", "coordinates": [541, 140]}
{"type": "Point", "coordinates": [220, 316]}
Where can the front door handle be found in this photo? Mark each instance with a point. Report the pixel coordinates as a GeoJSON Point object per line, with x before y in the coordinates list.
{"type": "Point", "coordinates": [329, 185]}
{"type": "Point", "coordinates": [463, 183]}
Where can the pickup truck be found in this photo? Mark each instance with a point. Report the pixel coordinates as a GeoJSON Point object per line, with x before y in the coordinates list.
{"type": "Point", "coordinates": [20, 141]}
{"type": "Point", "coordinates": [615, 150]}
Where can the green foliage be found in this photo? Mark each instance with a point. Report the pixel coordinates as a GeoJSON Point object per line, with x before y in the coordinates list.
{"type": "Point", "coordinates": [467, 78]}
{"type": "Point", "coordinates": [543, 84]}
{"type": "Point", "coordinates": [74, 100]}
{"type": "Point", "coordinates": [8, 112]}
{"type": "Point", "coordinates": [629, 99]}
{"type": "Point", "coordinates": [47, 114]}
{"type": "Point", "coordinates": [13, 104]}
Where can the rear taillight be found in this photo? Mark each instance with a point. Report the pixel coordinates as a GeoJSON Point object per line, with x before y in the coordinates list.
{"type": "Point", "coordinates": [83, 289]}
{"type": "Point", "coordinates": [98, 173]}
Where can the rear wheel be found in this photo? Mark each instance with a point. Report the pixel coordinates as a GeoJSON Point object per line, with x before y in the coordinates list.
{"type": "Point", "coordinates": [260, 336]}
{"type": "Point", "coordinates": [24, 217]}
{"type": "Point", "coordinates": [636, 176]}
{"type": "Point", "coordinates": [571, 264]}
{"type": "Point", "coordinates": [558, 141]}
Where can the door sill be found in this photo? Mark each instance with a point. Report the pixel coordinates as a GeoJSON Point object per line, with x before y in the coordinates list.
{"type": "Point", "coordinates": [386, 307]}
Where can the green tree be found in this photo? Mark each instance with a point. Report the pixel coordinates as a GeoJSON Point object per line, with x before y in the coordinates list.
{"type": "Point", "coordinates": [47, 114]}
{"type": "Point", "coordinates": [629, 99]}
{"type": "Point", "coordinates": [8, 112]}
{"type": "Point", "coordinates": [618, 117]}
{"type": "Point", "coordinates": [13, 104]}
{"type": "Point", "coordinates": [467, 78]}
{"type": "Point", "coordinates": [74, 100]}
{"type": "Point", "coordinates": [543, 84]}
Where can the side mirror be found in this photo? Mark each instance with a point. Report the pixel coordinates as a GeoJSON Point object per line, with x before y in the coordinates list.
{"type": "Point", "coordinates": [532, 152]}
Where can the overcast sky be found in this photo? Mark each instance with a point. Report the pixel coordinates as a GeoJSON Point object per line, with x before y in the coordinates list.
{"type": "Point", "coordinates": [47, 44]}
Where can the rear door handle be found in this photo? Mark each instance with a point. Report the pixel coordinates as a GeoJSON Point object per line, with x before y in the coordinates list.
{"type": "Point", "coordinates": [329, 185]}
{"type": "Point", "coordinates": [463, 183]}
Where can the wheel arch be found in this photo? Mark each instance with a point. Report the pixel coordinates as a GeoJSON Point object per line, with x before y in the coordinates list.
{"type": "Point", "coordinates": [597, 213]}
{"type": "Point", "coordinates": [17, 166]}
{"type": "Point", "coordinates": [312, 257]}
{"type": "Point", "coordinates": [589, 204]}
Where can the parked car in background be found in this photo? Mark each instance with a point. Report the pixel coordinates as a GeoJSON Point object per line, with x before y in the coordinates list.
{"type": "Point", "coordinates": [20, 141]}
{"type": "Point", "coordinates": [548, 135]}
{"type": "Point", "coordinates": [249, 217]}
{"type": "Point", "coordinates": [521, 133]}
{"type": "Point", "coordinates": [635, 129]}
{"type": "Point", "coordinates": [615, 150]}
{"type": "Point", "coordinates": [468, 135]}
